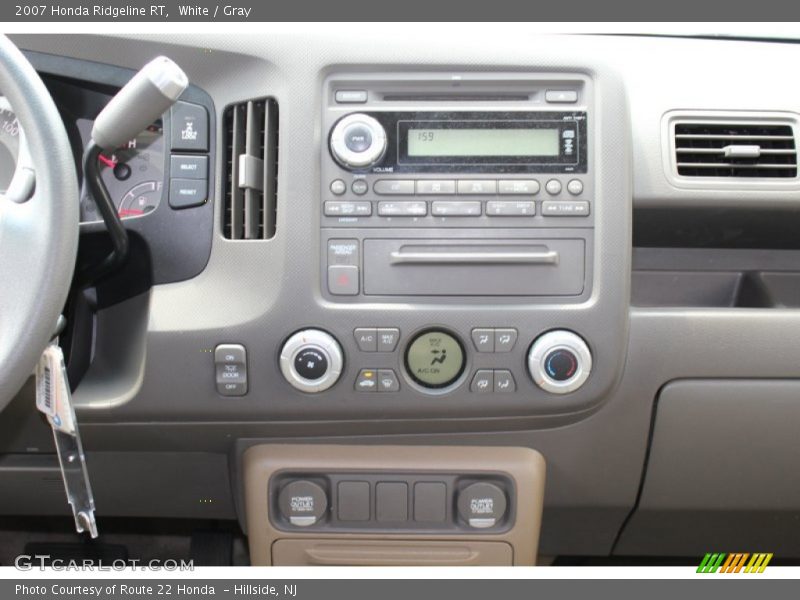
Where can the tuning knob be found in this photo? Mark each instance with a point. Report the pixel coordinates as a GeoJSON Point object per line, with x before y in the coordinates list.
{"type": "Point", "coordinates": [311, 360]}
{"type": "Point", "coordinates": [358, 141]}
{"type": "Point", "coordinates": [559, 362]}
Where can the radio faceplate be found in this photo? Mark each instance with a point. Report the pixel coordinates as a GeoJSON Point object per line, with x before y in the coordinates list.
{"type": "Point", "coordinates": [481, 177]}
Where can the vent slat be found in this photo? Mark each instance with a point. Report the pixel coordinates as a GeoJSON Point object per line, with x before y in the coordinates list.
{"type": "Point", "coordinates": [745, 149]}
{"type": "Point", "coordinates": [251, 170]}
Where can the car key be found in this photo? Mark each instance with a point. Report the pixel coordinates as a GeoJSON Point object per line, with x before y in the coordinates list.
{"type": "Point", "coordinates": [53, 398]}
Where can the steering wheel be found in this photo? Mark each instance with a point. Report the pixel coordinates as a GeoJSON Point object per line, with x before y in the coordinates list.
{"type": "Point", "coordinates": [39, 224]}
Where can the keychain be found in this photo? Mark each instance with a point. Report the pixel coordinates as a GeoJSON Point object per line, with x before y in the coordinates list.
{"type": "Point", "coordinates": [53, 398]}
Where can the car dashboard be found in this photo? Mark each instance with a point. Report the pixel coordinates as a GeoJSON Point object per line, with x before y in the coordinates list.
{"type": "Point", "coordinates": [346, 247]}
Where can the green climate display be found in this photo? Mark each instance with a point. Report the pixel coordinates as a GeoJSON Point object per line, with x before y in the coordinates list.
{"type": "Point", "coordinates": [483, 142]}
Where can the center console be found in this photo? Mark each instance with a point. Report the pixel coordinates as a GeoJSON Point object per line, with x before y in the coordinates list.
{"type": "Point", "coordinates": [470, 209]}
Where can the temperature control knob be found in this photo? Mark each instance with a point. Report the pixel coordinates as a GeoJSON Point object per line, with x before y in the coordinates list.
{"type": "Point", "coordinates": [311, 360]}
{"type": "Point", "coordinates": [559, 362]}
{"type": "Point", "coordinates": [358, 141]}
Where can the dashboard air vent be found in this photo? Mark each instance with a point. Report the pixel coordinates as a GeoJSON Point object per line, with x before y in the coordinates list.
{"type": "Point", "coordinates": [730, 149]}
{"type": "Point", "coordinates": [251, 169]}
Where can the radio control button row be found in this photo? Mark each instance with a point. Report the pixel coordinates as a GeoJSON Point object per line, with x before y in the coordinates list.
{"type": "Point", "coordinates": [477, 186]}
{"type": "Point", "coordinates": [518, 186]}
{"type": "Point", "coordinates": [553, 187]}
{"type": "Point", "coordinates": [402, 209]}
{"type": "Point", "coordinates": [456, 209]}
{"type": "Point", "coordinates": [565, 208]}
{"type": "Point", "coordinates": [510, 208]}
{"type": "Point", "coordinates": [575, 187]}
{"type": "Point", "coordinates": [338, 208]}
{"type": "Point", "coordinates": [394, 187]}
{"type": "Point", "coordinates": [433, 187]}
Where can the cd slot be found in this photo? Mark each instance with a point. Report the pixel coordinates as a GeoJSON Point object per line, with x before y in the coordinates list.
{"type": "Point", "coordinates": [525, 267]}
{"type": "Point", "coordinates": [462, 97]}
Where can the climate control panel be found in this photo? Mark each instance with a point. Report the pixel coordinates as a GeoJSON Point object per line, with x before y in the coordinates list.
{"type": "Point", "coordinates": [436, 360]}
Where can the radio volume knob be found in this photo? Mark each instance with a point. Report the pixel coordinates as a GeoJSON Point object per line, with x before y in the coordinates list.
{"type": "Point", "coordinates": [358, 141]}
{"type": "Point", "coordinates": [559, 362]}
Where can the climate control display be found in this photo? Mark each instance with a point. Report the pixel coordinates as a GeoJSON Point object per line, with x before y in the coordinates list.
{"type": "Point", "coordinates": [435, 359]}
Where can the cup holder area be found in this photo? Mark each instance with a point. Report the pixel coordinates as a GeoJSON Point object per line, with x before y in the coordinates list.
{"type": "Point", "coordinates": [692, 283]}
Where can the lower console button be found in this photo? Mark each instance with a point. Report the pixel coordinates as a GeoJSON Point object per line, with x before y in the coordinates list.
{"type": "Point", "coordinates": [302, 503]}
{"type": "Point", "coordinates": [482, 382]}
{"type": "Point", "coordinates": [367, 380]}
{"type": "Point", "coordinates": [504, 382]}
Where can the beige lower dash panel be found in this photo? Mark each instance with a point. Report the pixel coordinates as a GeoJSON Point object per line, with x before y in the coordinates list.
{"type": "Point", "coordinates": [516, 546]}
{"type": "Point", "coordinates": [335, 552]}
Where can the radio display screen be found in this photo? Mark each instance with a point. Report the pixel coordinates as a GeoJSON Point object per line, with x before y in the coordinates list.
{"type": "Point", "coordinates": [483, 142]}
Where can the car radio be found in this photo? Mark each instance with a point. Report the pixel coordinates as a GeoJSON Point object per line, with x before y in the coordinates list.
{"type": "Point", "coordinates": [467, 188]}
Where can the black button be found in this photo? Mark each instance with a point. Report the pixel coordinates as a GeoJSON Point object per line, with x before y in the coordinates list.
{"type": "Point", "coordinates": [358, 138]}
{"type": "Point", "coordinates": [189, 127]}
{"type": "Point", "coordinates": [561, 365]}
{"type": "Point", "coordinates": [311, 363]}
{"type": "Point", "coordinates": [185, 193]}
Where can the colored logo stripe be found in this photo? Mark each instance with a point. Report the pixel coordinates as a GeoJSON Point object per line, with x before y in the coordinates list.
{"type": "Point", "coordinates": [734, 563]}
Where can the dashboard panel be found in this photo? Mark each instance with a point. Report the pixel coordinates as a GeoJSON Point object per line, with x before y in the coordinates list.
{"type": "Point", "coordinates": [395, 300]}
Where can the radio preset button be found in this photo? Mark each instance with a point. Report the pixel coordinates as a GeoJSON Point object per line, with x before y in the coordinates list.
{"type": "Point", "coordinates": [347, 209]}
{"type": "Point", "coordinates": [510, 208]}
{"type": "Point", "coordinates": [456, 209]}
{"type": "Point", "coordinates": [518, 187]}
{"type": "Point", "coordinates": [565, 208]}
{"type": "Point", "coordinates": [432, 187]}
{"type": "Point", "coordinates": [396, 187]}
{"type": "Point", "coordinates": [575, 187]}
{"type": "Point", "coordinates": [338, 187]}
{"type": "Point", "coordinates": [359, 187]}
{"type": "Point", "coordinates": [477, 186]}
{"type": "Point", "coordinates": [553, 187]}
{"type": "Point", "coordinates": [402, 209]}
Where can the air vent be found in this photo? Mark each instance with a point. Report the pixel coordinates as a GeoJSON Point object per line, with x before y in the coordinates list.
{"type": "Point", "coordinates": [730, 149]}
{"type": "Point", "coordinates": [251, 146]}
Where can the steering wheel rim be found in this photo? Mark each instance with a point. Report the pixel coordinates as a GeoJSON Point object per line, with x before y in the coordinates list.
{"type": "Point", "coordinates": [39, 224]}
